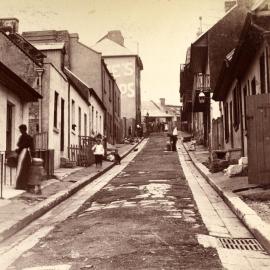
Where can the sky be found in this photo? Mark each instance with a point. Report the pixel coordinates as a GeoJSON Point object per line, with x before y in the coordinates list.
{"type": "Point", "coordinates": [159, 30]}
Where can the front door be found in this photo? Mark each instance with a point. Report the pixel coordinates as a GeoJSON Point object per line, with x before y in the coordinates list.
{"type": "Point", "coordinates": [258, 138]}
{"type": "Point", "coordinates": [62, 131]}
{"type": "Point", "coordinates": [9, 127]}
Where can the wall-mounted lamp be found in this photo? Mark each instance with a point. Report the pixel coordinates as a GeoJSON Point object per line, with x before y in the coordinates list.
{"type": "Point", "coordinates": [201, 97]}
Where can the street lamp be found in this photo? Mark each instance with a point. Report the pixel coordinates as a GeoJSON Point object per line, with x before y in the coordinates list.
{"type": "Point", "coordinates": [201, 97]}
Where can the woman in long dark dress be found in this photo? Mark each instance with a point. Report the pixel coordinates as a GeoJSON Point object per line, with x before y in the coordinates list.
{"type": "Point", "coordinates": [25, 147]}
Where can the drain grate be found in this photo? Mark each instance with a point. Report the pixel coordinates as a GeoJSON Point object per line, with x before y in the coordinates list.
{"type": "Point", "coordinates": [241, 243]}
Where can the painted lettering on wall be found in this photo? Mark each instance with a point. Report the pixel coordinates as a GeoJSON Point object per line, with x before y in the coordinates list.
{"type": "Point", "coordinates": [124, 75]}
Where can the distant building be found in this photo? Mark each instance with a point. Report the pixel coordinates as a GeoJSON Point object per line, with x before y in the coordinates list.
{"type": "Point", "coordinates": [174, 110]}
{"type": "Point", "coordinates": [126, 68]}
{"type": "Point", "coordinates": [87, 65]}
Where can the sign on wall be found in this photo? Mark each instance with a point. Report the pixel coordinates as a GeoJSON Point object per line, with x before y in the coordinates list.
{"type": "Point", "coordinates": [123, 70]}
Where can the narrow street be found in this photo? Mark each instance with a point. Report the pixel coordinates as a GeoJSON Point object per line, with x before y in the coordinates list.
{"type": "Point", "coordinates": [145, 218]}
{"type": "Point", "coordinates": [142, 215]}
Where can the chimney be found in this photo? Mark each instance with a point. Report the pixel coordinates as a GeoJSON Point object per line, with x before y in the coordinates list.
{"type": "Point", "coordinates": [9, 25]}
{"type": "Point", "coordinates": [229, 4]}
{"type": "Point", "coordinates": [162, 102]}
{"type": "Point", "coordinates": [74, 37]}
{"type": "Point", "coordinates": [116, 36]}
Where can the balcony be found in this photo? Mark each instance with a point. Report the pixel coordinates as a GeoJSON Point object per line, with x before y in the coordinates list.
{"type": "Point", "coordinates": [202, 82]}
{"type": "Point", "coordinates": [201, 85]}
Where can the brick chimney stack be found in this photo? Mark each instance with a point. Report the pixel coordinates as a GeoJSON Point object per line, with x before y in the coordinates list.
{"type": "Point", "coordinates": [9, 25]}
{"type": "Point", "coordinates": [229, 5]}
{"type": "Point", "coordinates": [162, 102]}
{"type": "Point", "coordinates": [116, 36]}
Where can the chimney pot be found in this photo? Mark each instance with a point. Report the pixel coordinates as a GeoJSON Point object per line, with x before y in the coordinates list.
{"type": "Point", "coordinates": [162, 101]}
{"type": "Point", "coordinates": [9, 25]}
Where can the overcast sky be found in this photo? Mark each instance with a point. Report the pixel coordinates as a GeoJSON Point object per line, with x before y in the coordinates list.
{"type": "Point", "coordinates": [161, 30]}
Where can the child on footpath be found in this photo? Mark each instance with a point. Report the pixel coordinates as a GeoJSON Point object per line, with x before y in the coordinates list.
{"type": "Point", "coordinates": [98, 150]}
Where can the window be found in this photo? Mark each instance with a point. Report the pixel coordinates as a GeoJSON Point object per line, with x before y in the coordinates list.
{"type": "Point", "coordinates": [253, 86]}
{"type": "Point", "coordinates": [79, 120]}
{"type": "Point", "coordinates": [108, 123]}
{"type": "Point", "coordinates": [85, 124]}
{"type": "Point", "coordinates": [119, 106]}
{"type": "Point", "coordinates": [248, 88]}
{"type": "Point", "coordinates": [9, 126]}
{"type": "Point", "coordinates": [262, 73]}
{"type": "Point", "coordinates": [267, 68]}
{"type": "Point", "coordinates": [96, 121]}
{"type": "Point", "coordinates": [110, 90]}
{"type": "Point", "coordinates": [111, 125]}
{"type": "Point", "coordinates": [103, 80]}
{"type": "Point", "coordinates": [73, 114]}
{"type": "Point", "coordinates": [245, 105]}
{"type": "Point", "coordinates": [236, 107]}
{"type": "Point", "coordinates": [56, 96]}
{"type": "Point", "coordinates": [62, 125]}
{"type": "Point", "coordinates": [92, 121]}
{"type": "Point", "coordinates": [226, 122]}
{"type": "Point", "coordinates": [100, 123]}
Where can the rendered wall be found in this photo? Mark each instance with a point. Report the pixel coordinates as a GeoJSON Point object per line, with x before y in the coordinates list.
{"type": "Point", "coordinates": [124, 72]}
{"type": "Point", "coordinates": [79, 102]}
{"type": "Point", "coordinates": [59, 84]}
{"type": "Point", "coordinates": [86, 64]}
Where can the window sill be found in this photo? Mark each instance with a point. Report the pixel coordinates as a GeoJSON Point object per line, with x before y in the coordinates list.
{"type": "Point", "coordinates": [56, 130]}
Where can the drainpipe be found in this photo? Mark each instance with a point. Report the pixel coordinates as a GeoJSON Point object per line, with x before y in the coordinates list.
{"type": "Point", "coordinates": [68, 119]}
{"type": "Point", "coordinates": [113, 99]}
{"type": "Point", "coordinates": [241, 122]}
{"type": "Point", "coordinates": [40, 72]}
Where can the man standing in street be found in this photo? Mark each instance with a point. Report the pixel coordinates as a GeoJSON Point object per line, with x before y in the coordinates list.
{"type": "Point", "coordinates": [174, 138]}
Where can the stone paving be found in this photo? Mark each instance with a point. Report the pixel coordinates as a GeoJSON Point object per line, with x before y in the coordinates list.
{"type": "Point", "coordinates": [15, 207]}
{"type": "Point", "coordinates": [220, 221]}
{"type": "Point", "coordinates": [144, 218]}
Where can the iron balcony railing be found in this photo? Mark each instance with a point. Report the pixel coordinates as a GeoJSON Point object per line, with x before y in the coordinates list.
{"type": "Point", "coordinates": [202, 82]}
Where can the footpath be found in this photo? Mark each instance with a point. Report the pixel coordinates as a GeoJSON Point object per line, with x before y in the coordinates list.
{"type": "Point", "coordinates": [255, 214]}
{"type": "Point", "coordinates": [17, 212]}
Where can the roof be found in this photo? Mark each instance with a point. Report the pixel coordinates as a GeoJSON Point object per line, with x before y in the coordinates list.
{"type": "Point", "coordinates": [212, 47]}
{"type": "Point", "coordinates": [83, 89]}
{"type": "Point", "coordinates": [255, 31]}
{"type": "Point", "coordinates": [259, 5]}
{"type": "Point", "coordinates": [110, 48]}
{"type": "Point", "coordinates": [27, 48]}
{"type": "Point", "coordinates": [79, 85]}
{"type": "Point", "coordinates": [17, 85]}
{"type": "Point", "coordinates": [49, 46]}
{"type": "Point", "coordinates": [93, 93]}
{"type": "Point", "coordinates": [153, 109]}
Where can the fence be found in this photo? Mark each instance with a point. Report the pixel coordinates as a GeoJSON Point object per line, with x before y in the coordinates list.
{"type": "Point", "coordinates": [82, 155]}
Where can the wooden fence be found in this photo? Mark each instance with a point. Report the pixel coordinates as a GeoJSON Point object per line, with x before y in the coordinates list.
{"type": "Point", "coordinates": [82, 155]}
